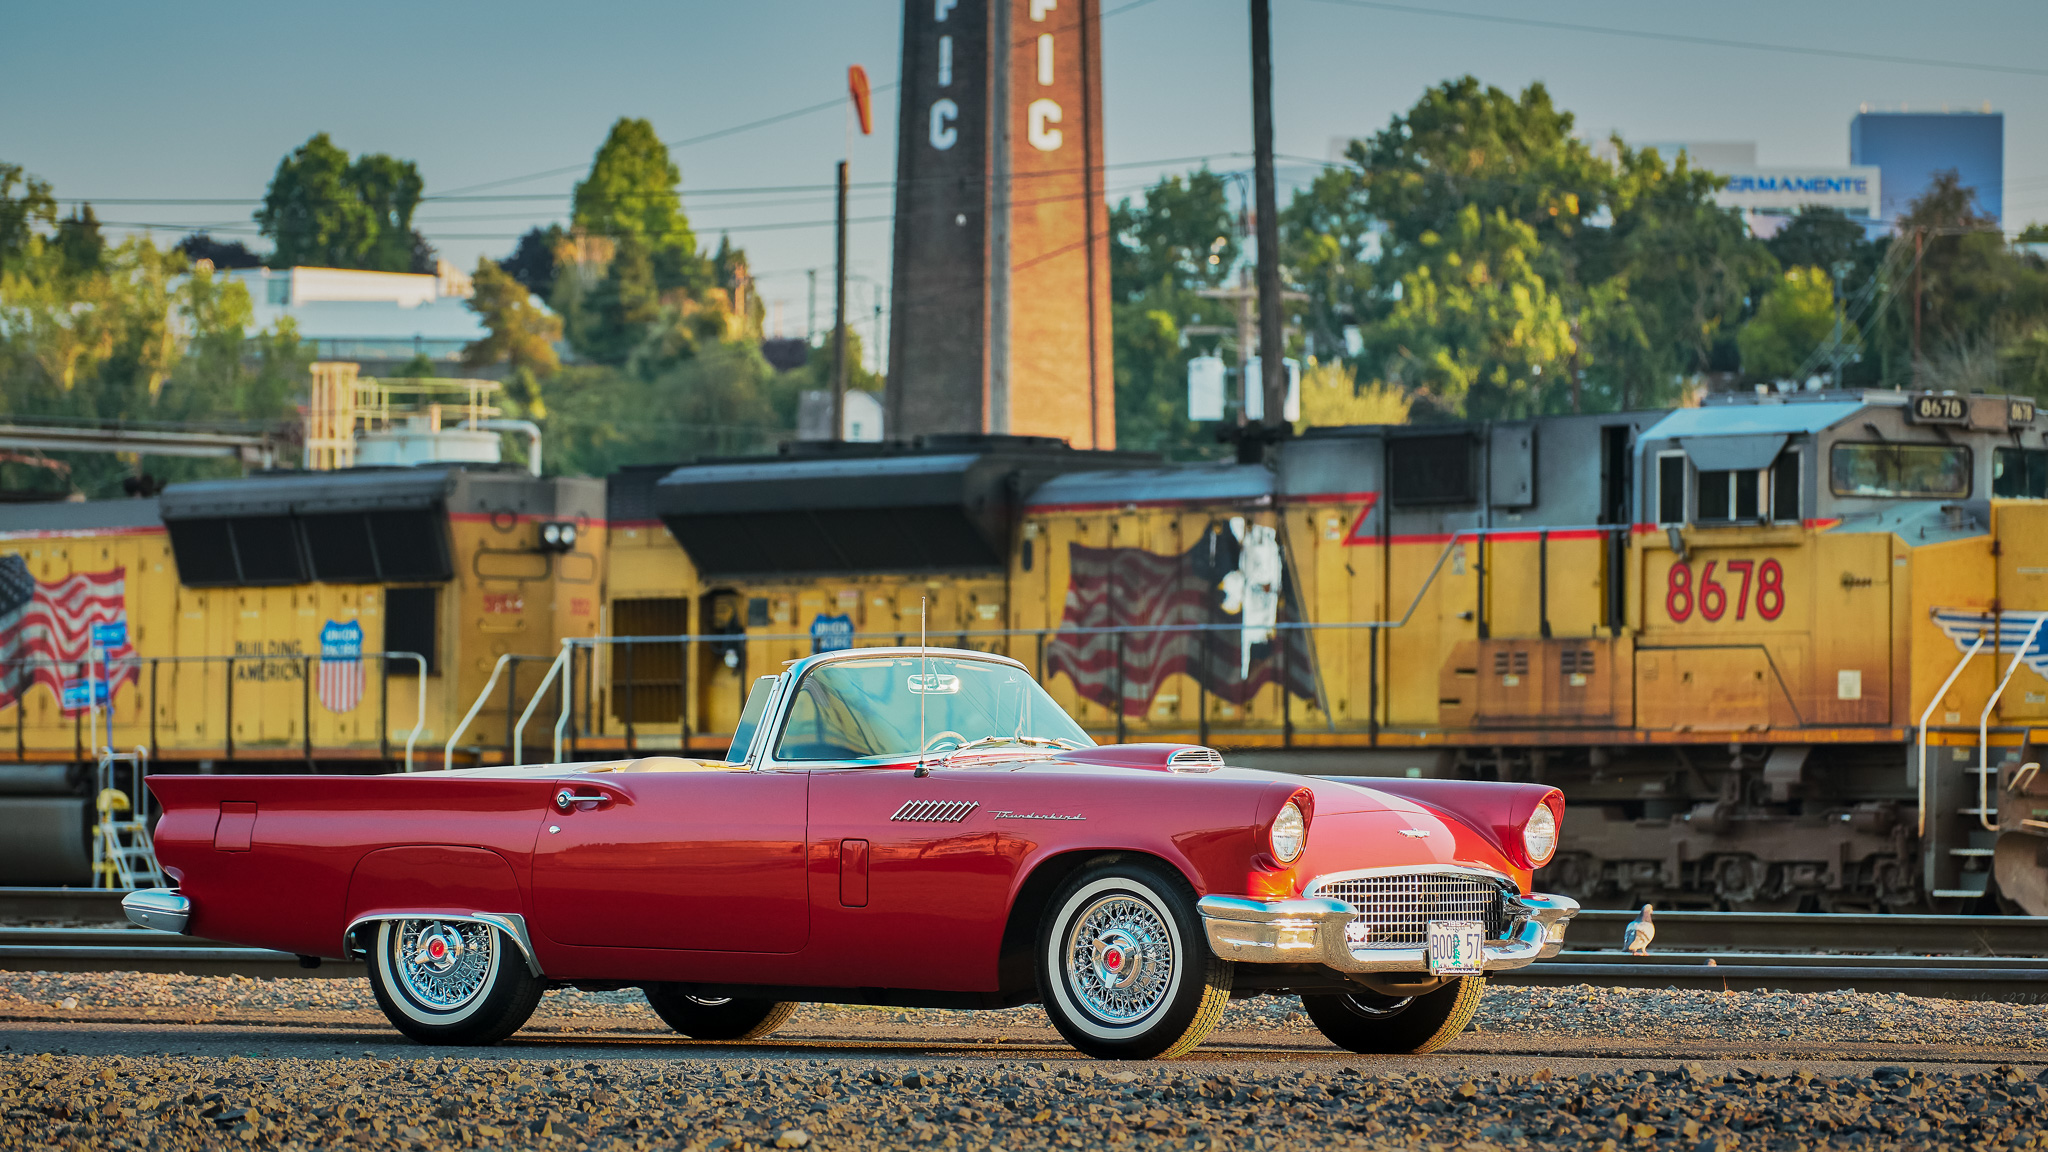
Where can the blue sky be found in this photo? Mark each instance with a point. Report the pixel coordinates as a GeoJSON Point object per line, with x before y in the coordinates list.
{"type": "Point", "coordinates": [127, 99]}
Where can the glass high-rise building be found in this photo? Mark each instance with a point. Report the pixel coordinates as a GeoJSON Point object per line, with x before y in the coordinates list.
{"type": "Point", "coordinates": [1911, 147]}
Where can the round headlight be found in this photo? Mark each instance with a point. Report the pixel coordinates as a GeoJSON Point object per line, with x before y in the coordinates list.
{"type": "Point", "coordinates": [551, 533]}
{"type": "Point", "coordinates": [568, 535]}
{"type": "Point", "coordinates": [1290, 833]}
{"type": "Point", "coordinates": [1539, 835]}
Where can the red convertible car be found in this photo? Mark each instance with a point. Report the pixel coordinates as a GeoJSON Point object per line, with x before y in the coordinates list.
{"type": "Point", "coordinates": [896, 827]}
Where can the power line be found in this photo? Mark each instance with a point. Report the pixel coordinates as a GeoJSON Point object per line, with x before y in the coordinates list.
{"type": "Point", "coordinates": [1685, 38]}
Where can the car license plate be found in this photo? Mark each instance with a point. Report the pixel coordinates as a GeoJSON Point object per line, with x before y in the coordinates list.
{"type": "Point", "coordinates": [1455, 949]}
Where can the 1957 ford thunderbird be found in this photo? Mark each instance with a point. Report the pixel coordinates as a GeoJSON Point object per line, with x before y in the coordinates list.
{"type": "Point", "coordinates": [895, 826]}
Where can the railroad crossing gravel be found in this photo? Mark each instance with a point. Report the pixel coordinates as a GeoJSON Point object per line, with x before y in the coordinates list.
{"type": "Point", "coordinates": [166, 1062]}
{"type": "Point", "coordinates": [1582, 1012]}
{"type": "Point", "coordinates": [437, 1102]}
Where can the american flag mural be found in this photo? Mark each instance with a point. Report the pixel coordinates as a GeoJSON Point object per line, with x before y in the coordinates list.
{"type": "Point", "coordinates": [1234, 575]}
{"type": "Point", "coordinates": [46, 632]}
{"type": "Point", "coordinates": [341, 665]}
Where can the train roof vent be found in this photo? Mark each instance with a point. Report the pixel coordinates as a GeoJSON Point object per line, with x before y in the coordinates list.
{"type": "Point", "coordinates": [916, 510]}
{"type": "Point", "coordinates": [365, 527]}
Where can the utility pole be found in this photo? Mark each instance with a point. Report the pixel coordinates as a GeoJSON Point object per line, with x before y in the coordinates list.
{"type": "Point", "coordinates": [1841, 270]}
{"type": "Point", "coordinates": [1919, 246]}
{"type": "Point", "coordinates": [811, 316]}
{"type": "Point", "coordinates": [1271, 348]}
{"type": "Point", "coordinates": [839, 325]}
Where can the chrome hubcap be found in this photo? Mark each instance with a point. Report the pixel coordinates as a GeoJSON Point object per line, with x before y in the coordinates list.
{"type": "Point", "coordinates": [443, 964]}
{"type": "Point", "coordinates": [1120, 959]}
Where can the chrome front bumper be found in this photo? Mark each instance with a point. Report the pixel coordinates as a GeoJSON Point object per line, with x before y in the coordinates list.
{"type": "Point", "coordinates": [1311, 931]}
{"type": "Point", "coordinates": [159, 908]}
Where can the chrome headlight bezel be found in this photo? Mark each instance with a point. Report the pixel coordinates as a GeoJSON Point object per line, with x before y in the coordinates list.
{"type": "Point", "coordinates": [1287, 837]}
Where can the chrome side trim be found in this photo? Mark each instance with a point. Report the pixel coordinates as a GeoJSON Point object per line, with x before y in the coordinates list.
{"type": "Point", "coordinates": [1311, 931]}
{"type": "Point", "coordinates": [512, 924]}
{"type": "Point", "coordinates": [160, 908]}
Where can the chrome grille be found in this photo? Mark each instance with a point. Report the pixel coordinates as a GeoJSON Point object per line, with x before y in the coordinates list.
{"type": "Point", "coordinates": [1396, 909]}
{"type": "Point", "coordinates": [935, 811]}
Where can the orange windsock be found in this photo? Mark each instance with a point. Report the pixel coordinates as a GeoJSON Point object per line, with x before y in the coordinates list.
{"type": "Point", "coordinates": [857, 84]}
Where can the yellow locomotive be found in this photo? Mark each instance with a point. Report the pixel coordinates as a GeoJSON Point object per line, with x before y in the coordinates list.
{"type": "Point", "coordinates": [1732, 634]}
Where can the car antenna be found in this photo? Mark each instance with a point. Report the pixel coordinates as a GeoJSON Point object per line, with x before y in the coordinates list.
{"type": "Point", "coordinates": [923, 682]}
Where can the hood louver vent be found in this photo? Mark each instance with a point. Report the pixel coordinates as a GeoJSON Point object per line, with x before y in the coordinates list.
{"type": "Point", "coordinates": [1195, 758]}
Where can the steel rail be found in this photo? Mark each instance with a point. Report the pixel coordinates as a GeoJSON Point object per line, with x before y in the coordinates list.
{"type": "Point", "coordinates": [1704, 932]}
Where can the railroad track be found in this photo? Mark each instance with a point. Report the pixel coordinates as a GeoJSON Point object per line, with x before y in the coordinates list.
{"type": "Point", "coordinates": [1958, 957]}
{"type": "Point", "coordinates": [1953, 977]}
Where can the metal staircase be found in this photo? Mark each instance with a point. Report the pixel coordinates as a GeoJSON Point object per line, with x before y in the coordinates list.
{"type": "Point", "coordinates": [123, 855]}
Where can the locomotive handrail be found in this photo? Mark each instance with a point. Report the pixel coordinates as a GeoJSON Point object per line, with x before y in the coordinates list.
{"type": "Point", "coordinates": [419, 723]}
{"type": "Point", "coordinates": [448, 753]}
{"type": "Point", "coordinates": [965, 636]}
{"type": "Point", "coordinates": [106, 670]}
{"type": "Point", "coordinates": [1984, 721]}
{"type": "Point", "coordinates": [519, 732]}
{"type": "Point", "coordinates": [1932, 701]}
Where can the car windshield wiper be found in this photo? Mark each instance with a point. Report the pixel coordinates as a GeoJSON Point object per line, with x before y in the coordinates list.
{"type": "Point", "coordinates": [1036, 741]}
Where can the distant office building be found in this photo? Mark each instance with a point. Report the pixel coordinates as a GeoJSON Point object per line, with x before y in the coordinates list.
{"type": "Point", "coordinates": [1767, 196]}
{"type": "Point", "coordinates": [368, 316]}
{"type": "Point", "coordinates": [1910, 147]}
{"type": "Point", "coordinates": [1713, 155]}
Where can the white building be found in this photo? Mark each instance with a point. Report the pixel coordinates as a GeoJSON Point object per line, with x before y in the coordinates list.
{"type": "Point", "coordinates": [358, 315]}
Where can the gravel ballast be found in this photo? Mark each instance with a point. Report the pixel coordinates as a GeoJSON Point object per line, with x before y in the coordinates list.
{"type": "Point", "coordinates": [701, 1106]}
{"type": "Point", "coordinates": [1530, 1013]}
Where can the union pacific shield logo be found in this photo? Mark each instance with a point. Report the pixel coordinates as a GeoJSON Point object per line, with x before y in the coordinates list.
{"type": "Point", "coordinates": [341, 665]}
{"type": "Point", "coordinates": [2007, 632]}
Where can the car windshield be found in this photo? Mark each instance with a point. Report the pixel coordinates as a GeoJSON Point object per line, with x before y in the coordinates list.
{"type": "Point", "coordinates": [899, 705]}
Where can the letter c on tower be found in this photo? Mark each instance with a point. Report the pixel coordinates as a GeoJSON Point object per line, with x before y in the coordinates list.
{"type": "Point", "coordinates": [944, 112]}
{"type": "Point", "coordinates": [1040, 114]}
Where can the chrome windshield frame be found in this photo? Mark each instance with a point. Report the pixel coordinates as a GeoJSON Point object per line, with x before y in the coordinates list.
{"type": "Point", "coordinates": [777, 714]}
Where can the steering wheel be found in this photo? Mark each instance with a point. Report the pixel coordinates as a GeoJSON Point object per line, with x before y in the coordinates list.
{"type": "Point", "coordinates": [955, 737]}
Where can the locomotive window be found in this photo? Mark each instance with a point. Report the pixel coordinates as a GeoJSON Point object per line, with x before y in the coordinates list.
{"type": "Point", "coordinates": [1671, 488]}
{"type": "Point", "coordinates": [1730, 495]}
{"type": "Point", "coordinates": [1899, 470]}
{"type": "Point", "coordinates": [2020, 472]}
{"type": "Point", "coordinates": [410, 625]}
{"type": "Point", "coordinates": [1430, 469]}
{"type": "Point", "coordinates": [1785, 487]}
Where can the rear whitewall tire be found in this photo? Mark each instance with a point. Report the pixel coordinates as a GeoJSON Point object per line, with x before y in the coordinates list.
{"type": "Point", "coordinates": [1125, 972]}
{"type": "Point", "coordinates": [475, 989]}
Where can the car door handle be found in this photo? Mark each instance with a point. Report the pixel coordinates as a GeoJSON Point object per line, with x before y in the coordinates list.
{"type": "Point", "coordinates": [566, 800]}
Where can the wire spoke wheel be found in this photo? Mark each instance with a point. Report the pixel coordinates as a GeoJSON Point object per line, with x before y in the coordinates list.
{"type": "Point", "coordinates": [443, 965]}
{"type": "Point", "coordinates": [452, 980]}
{"type": "Point", "coordinates": [1120, 959]}
{"type": "Point", "coordinates": [1123, 969]}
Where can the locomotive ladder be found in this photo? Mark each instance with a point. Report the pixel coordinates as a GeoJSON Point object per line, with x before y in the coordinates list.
{"type": "Point", "coordinates": [123, 855]}
{"type": "Point", "coordinates": [1972, 858]}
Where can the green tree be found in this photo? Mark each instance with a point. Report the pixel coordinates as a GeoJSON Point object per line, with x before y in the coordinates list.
{"type": "Point", "coordinates": [1794, 320]}
{"type": "Point", "coordinates": [80, 247]}
{"type": "Point", "coordinates": [25, 201]}
{"type": "Point", "coordinates": [622, 306]}
{"type": "Point", "coordinates": [1475, 329]}
{"type": "Point", "coordinates": [324, 210]}
{"type": "Point", "coordinates": [522, 333]}
{"type": "Point", "coordinates": [1180, 238]}
{"type": "Point", "coordinates": [1331, 397]}
{"type": "Point", "coordinates": [139, 337]}
{"type": "Point", "coordinates": [631, 193]}
{"type": "Point", "coordinates": [1821, 238]}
